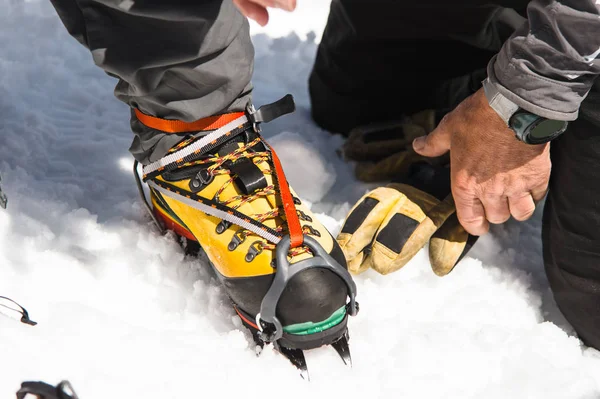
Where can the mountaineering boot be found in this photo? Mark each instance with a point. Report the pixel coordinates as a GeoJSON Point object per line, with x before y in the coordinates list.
{"type": "Point", "coordinates": [223, 187]}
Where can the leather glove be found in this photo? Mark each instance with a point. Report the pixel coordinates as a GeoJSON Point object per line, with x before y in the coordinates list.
{"type": "Point", "coordinates": [383, 151]}
{"type": "Point", "coordinates": [390, 224]}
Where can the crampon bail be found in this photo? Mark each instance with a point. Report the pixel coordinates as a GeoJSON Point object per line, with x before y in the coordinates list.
{"type": "Point", "coordinates": [269, 325]}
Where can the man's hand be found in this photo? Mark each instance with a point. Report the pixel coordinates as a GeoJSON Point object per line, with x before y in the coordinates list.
{"type": "Point", "coordinates": [257, 9]}
{"type": "Point", "coordinates": [494, 175]}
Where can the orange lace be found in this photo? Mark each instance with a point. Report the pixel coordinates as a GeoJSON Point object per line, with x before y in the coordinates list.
{"type": "Point", "coordinates": [259, 159]}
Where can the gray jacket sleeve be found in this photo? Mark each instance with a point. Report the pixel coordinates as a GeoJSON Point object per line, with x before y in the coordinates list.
{"type": "Point", "coordinates": [550, 63]}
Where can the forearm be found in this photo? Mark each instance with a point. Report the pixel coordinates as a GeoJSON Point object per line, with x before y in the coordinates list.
{"type": "Point", "coordinates": [550, 63]}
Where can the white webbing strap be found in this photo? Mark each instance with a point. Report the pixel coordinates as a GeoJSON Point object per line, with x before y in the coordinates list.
{"type": "Point", "coordinates": [209, 210]}
{"type": "Point", "coordinates": [197, 146]}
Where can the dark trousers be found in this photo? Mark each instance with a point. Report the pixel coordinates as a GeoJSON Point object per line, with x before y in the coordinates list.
{"type": "Point", "coordinates": [381, 58]}
{"type": "Point", "coordinates": [378, 59]}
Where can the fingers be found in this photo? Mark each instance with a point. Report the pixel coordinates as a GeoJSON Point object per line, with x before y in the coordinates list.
{"type": "Point", "coordinates": [522, 208]}
{"type": "Point", "coordinates": [496, 209]}
{"type": "Point", "coordinates": [288, 5]}
{"type": "Point", "coordinates": [474, 214]}
{"type": "Point", "coordinates": [365, 219]}
{"type": "Point", "coordinates": [539, 194]}
{"type": "Point", "coordinates": [253, 11]}
{"type": "Point", "coordinates": [471, 213]}
{"type": "Point", "coordinates": [435, 143]}
{"type": "Point", "coordinates": [257, 9]}
{"type": "Point", "coordinates": [449, 244]}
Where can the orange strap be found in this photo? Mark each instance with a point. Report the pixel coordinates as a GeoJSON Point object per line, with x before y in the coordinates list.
{"type": "Point", "coordinates": [296, 233]}
{"type": "Point", "coordinates": [245, 319]}
{"type": "Point", "coordinates": [175, 126]}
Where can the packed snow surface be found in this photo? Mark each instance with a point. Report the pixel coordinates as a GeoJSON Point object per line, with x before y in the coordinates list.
{"type": "Point", "coordinates": [124, 314]}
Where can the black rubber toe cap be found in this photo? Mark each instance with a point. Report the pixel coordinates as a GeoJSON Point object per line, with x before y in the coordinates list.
{"type": "Point", "coordinates": [312, 295]}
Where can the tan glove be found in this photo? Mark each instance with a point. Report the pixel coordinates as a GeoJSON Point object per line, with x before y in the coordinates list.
{"type": "Point", "coordinates": [383, 151]}
{"type": "Point", "coordinates": [389, 225]}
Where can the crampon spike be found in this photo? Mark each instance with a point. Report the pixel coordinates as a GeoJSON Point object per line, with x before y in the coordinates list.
{"type": "Point", "coordinates": [260, 344]}
{"type": "Point", "coordinates": [296, 357]}
{"type": "Point", "coordinates": [342, 347]}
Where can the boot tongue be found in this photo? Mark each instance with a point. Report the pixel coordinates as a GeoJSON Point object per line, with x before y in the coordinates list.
{"type": "Point", "coordinates": [249, 178]}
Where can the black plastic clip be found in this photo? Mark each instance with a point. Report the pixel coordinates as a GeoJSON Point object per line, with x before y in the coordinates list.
{"type": "Point", "coordinates": [269, 112]}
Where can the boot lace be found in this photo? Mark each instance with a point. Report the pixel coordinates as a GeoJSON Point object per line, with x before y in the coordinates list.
{"type": "Point", "coordinates": [261, 160]}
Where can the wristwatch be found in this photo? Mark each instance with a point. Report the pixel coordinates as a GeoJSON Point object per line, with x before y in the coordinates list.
{"type": "Point", "coordinates": [528, 127]}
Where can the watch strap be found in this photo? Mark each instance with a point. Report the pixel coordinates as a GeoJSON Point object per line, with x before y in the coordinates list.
{"type": "Point", "coordinates": [502, 105]}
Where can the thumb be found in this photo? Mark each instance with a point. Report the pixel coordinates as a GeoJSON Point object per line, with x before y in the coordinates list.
{"type": "Point", "coordinates": [434, 144]}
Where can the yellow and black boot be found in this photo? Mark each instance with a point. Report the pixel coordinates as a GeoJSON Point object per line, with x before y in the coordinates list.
{"type": "Point", "coordinates": [224, 187]}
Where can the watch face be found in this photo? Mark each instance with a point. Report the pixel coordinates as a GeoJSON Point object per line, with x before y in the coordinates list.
{"type": "Point", "coordinates": [534, 129]}
{"type": "Point", "coordinates": [546, 130]}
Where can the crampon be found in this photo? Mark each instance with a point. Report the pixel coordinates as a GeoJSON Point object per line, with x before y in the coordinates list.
{"type": "Point", "coordinates": [223, 189]}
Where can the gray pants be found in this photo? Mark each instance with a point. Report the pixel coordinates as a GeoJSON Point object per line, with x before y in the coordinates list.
{"type": "Point", "coordinates": [183, 60]}
{"type": "Point", "coordinates": [190, 59]}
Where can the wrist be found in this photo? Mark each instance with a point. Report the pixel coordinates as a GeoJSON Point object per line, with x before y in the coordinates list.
{"type": "Point", "coordinates": [527, 126]}
{"type": "Point", "coordinates": [516, 85]}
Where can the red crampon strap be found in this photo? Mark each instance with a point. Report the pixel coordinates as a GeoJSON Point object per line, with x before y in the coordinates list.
{"type": "Point", "coordinates": [296, 233]}
{"type": "Point", "coordinates": [175, 126]}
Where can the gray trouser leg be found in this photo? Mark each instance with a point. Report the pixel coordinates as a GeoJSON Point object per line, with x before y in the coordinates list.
{"type": "Point", "coordinates": [182, 60]}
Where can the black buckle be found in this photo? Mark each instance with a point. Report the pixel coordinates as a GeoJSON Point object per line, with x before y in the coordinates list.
{"type": "Point", "coordinates": [269, 112]}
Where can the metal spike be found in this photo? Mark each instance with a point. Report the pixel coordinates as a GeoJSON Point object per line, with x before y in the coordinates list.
{"type": "Point", "coordinates": [296, 357]}
{"type": "Point", "coordinates": [260, 344]}
{"type": "Point", "coordinates": [3, 199]}
{"type": "Point", "coordinates": [342, 347]}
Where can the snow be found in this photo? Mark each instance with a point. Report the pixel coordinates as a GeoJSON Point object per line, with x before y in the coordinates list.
{"type": "Point", "coordinates": [295, 150]}
{"type": "Point", "coordinates": [123, 313]}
